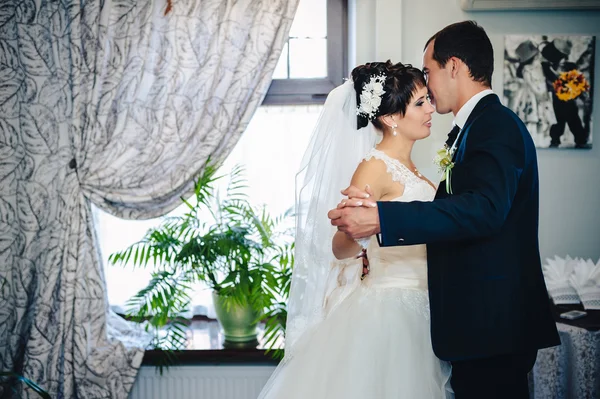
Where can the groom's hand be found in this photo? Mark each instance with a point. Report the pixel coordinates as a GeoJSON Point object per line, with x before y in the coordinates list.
{"type": "Point", "coordinates": [356, 222]}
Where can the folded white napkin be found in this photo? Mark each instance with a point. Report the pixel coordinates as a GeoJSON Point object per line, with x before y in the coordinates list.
{"type": "Point", "coordinates": [557, 273]}
{"type": "Point", "coordinates": [586, 281]}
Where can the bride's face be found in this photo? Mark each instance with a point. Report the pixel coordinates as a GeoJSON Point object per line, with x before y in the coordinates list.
{"type": "Point", "coordinates": [416, 122]}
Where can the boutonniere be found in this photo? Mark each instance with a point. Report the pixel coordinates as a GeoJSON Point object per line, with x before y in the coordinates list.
{"type": "Point", "coordinates": [443, 160]}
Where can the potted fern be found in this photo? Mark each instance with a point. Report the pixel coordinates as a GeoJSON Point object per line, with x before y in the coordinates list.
{"type": "Point", "coordinates": [242, 253]}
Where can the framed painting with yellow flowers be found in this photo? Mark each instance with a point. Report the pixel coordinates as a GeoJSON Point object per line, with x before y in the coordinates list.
{"type": "Point", "coordinates": [548, 83]}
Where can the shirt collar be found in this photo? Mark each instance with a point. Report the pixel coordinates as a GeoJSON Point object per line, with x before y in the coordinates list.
{"type": "Point", "coordinates": [463, 114]}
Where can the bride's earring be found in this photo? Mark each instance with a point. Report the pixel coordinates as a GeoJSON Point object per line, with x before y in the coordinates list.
{"type": "Point", "coordinates": [394, 132]}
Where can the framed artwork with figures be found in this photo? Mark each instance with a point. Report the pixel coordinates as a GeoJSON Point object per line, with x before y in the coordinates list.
{"type": "Point", "coordinates": [548, 83]}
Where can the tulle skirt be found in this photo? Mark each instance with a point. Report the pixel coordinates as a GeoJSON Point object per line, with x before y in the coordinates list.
{"type": "Point", "coordinates": [374, 344]}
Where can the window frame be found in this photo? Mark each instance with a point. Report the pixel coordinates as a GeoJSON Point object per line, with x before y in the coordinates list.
{"type": "Point", "coordinates": [315, 90]}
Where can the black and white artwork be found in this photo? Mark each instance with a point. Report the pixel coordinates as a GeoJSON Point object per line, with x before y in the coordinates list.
{"type": "Point", "coordinates": [548, 83]}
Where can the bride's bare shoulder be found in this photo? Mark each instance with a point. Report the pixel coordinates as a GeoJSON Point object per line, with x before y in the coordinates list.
{"type": "Point", "coordinates": [373, 172]}
{"type": "Point", "coordinates": [370, 166]}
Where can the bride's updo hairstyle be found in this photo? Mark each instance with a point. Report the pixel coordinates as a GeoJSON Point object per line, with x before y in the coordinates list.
{"type": "Point", "coordinates": [399, 81]}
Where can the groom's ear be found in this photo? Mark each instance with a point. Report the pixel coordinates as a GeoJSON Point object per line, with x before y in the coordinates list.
{"type": "Point", "coordinates": [454, 65]}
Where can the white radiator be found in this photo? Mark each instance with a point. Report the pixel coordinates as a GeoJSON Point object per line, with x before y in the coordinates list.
{"type": "Point", "coordinates": [201, 382]}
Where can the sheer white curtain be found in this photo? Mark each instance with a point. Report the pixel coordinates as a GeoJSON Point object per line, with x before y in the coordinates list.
{"type": "Point", "coordinates": [119, 104]}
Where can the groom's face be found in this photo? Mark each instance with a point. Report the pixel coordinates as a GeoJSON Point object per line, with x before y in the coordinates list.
{"type": "Point", "coordinates": [439, 82]}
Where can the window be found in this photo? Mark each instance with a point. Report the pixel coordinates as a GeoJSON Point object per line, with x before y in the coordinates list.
{"type": "Point", "coordinates": [312, 63]}
{"type": "Point", "coordinates": [271, 150]}
{"type": "Point", "coordinates": [314, 59]}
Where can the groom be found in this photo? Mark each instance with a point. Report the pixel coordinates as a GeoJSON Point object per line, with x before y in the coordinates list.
{"type": "Point", "coordinates": [489, 305]}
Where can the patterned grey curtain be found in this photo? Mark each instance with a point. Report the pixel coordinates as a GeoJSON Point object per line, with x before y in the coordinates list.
{"type": "Point", "coordinates": [117, 103]}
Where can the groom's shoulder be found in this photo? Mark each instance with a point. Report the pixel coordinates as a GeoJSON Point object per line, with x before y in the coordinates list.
{"type": "Point", "coordinates": [498, 110]}
{"type": "Point", "coordinates": [500, 123]}
{"type": "Point", "coordinates": [497, 114]}
{"type": "Point", "coordinates": [499, 117]}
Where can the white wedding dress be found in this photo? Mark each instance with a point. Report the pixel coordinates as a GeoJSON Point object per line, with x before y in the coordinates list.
{"type": "Point", "coordinates": [375, 340]}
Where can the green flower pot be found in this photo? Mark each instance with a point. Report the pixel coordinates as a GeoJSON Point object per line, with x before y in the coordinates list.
{"type": "Point", "coordinates": [238, 323]}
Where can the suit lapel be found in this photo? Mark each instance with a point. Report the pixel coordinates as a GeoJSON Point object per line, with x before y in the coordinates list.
{"type": "Point", "coordinates": [460, 145]}
{"type": "Point", "coordinates": [477, 111]}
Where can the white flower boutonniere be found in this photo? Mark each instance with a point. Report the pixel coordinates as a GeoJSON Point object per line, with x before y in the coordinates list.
{"type": "Point", "coordinates": [443, 160]}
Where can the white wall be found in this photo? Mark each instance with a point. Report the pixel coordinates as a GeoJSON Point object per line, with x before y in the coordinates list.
{"type": "Point", "coordinates": [201, 382]}
{"type": "Point", "coordinates": [569, 179]}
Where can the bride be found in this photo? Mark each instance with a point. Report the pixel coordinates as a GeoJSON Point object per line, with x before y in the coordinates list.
{"type": "Point", "coordinates": [354, 331]}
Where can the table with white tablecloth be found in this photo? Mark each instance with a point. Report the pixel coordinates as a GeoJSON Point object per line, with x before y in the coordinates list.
{"type": "Point", "coordinates": [571, 370]}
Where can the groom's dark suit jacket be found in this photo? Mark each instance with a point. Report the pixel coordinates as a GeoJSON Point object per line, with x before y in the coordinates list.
{"type": "Point", "coordinates": [486, 288]}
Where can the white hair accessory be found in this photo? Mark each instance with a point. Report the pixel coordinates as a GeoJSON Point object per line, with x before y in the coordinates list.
{"type": "Point", "coordinates": [370, 97]}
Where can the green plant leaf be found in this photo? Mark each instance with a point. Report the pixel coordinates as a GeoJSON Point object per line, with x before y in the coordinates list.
{"type": "Point", "coordinates": [239, 251]}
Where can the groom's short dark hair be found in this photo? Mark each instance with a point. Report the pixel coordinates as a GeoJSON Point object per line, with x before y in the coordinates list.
{"type": "Point", "coordinates": [468, 42]}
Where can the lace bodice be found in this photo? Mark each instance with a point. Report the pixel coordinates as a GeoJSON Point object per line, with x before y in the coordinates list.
{"type": "Point", "coordinates": [415, 188]}
{"type": "Point", "coordinates": [404, 266]}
